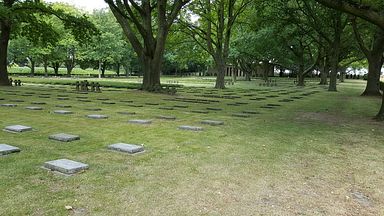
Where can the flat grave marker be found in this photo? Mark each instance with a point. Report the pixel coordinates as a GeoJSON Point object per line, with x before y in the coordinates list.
{"type": "Point", "coordinates": [8, 149]}
{"type": "Point", "coordinates": [212, 122]}
{"type": "Point", "coordinates": [126, 113]}
{"type": "Point", "coordinates": [63, 137]}
{"type": "Point", "coordinates": [63, 106]}
{"type": "Point", "coordinates": [33, 108]}
{"type": "Point", "coordinates": [8, 105]}
{"type": "Point", "coordinates": [97, 116]}
{"type": "Point", "coordinates": [17, 128]}
{"type": "Point", "coordinates": [166, 117]}
{"type": "Point", "coordinates": [140, 121]}
{"type": "Point", "coordinates": [241, 115]}
{"type": "Point", "coordinates": [63, 112]}
{"type": "Point", "coordinates": [66, 166]}
{"type": "Point", "coordinates": [127, 148]}
{"type": "Point", "coordinates": [190, 128]}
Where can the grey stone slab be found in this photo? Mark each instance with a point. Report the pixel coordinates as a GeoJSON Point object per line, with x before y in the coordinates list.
{"type": "Point", "coordinates": [166, 108]}
{"type": "Point", "coordinates": [128, 148]}
{"type": "Point", "coordinates": [108, 102]}
{"type": "Point", "coordinates": [64, 112]}
{"type": "Point", "coordinates": [140, 121]}
{"type": "Point", "coordinates": [84, 100]}
{"type": "Point", "coordinates": [286, 100]}
{"type": "Point", "coordinates": [17, 100]}
{"type": "Point", "coordinates": [212, 122]}
{"type": "Point", "coordinates": [97, 116]}
{"type": "Point", "coordinates": [200, 111]}
{"type": "Point", "coordinates": [44, 96]}
{"type": "Point", "coordinates": [135, 105]}
{"type": "Point", "coordinates": [241, 115]}
{"type": "Point", "coordinates": [93, 109]}
{"type": "Point", "coordinates": [214, 108]}
{"type": "Point", "coordinates": [17, 128]}
{"type": "Point", "coordinates": [9, 105]}
{"type": "Point", "coordinates": [126, 113]}
{"type": "Point", "coordinates": [64, 137]}
{"type": "Point", "coordinates": [152, 104]}
{"type": "Point", "coordinates": [127, 101]}
{"type": "Point", "coordinates": [66, 166]}
{"type": "Point", "coordinates": [166, 117]}
{"type": "Point", "coordinates": [191, 128]}
{"type": "Point", "coordinates": [38, 103]}
{"type": "Point", "coordinates": [180, 106]}
{"type": "Point", "coordinates": [82, 97]}
{"type": "Point", "coordinates": [34, 108]}
{"type": "Point", "coordinates": [63, 106]}
{"type": "Point", "coordinates": [62, 98]}
{"type": "Point", "coordinates": [102, 99]}
{"type": "Point", "coordinates": [251, 112]}
{"type": "Point", "coordinates": [8, 149]}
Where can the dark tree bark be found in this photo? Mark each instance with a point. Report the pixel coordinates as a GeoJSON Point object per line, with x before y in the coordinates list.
{"type": "Point", "coordinates": [5, 29]}
{"type": "Point", "coordinates": [380, 115]}
{"type": "Point", "coordinates": [375, 59]}
{"type": "Point", "coordinates": [335, 52]}
{"type": "Point", "coordinates": [33, 63]}
{"type": "Point", "coordinates": [118, 69]}
{"type": "Point", "coordinates": [136, 20]}
{"type": "Point", "coordinates": [56, 66]}
{"type": "Point", "coordinates": [324, 71]}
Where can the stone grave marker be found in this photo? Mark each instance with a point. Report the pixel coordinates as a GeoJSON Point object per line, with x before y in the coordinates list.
{"type": "Point", "coordinates": [152, 104]}
{"type": "Point", "coordinates": [63, 106]}
{"type": "Point", "coordinates": [33, 108]}
{"type": "Point", "coordinates": [8, 149]}
{"type": "Point", "coordinates": [128, 148]}
{"type": "Point", "coordinates": [214, 109]}
{"type": "Point", "coordinates": [92, 109]}
{"type": "Point", "coordinates": [166, 108]}
{"type": "Point", "coordinates": [251, 112]}
{"type": "Point", "coordinates": [62, 98]}
{"type": "Point", "coordinates": [97, 116]}
{"type": "Point", "coordinates": [191, 128]}
{"type": "Point", "coordinates": [8, 105]}
{"type": "Point", "coordinates": [64, 137]}
{"type": "Point", "coordinates": [134, 105]}
{"type": "Point", "coordinates": [241, 115]}
{"type": "Point", "coordinates": [212, 122]}
{"type": "Point", "coordinates": [17, 100]}
{"type": "Point", "coordinates": [102, 99]}
{"type": "Point", "coordinates": [84, 100]}
{"type": "Point", "coordinates": [63, 112]}
{"type": "Point", "coordinates": [199, 111]}
{"type": "Point", "coordinates": [166, 117]}
{"type": "Point", "coordinates": [108, 102]}
{"type": "Point", "coordinates": [65, 166]}
{"type": "Point", "coordinates": [17, 128]}
{"type": "Point", "coordinates": [44, 96]}
{"type": "Point", "coordinates": [126, 113]}
{"type": "Point", "coordinates": [180, 106]}
{"type": "Point", "coordinates": [140, 121]}
{"type": "Point", "coordinates": [38, 103]}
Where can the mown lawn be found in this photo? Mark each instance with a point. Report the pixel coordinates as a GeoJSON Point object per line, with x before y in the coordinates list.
{"type": "Point", "coordinates": [318, 155]}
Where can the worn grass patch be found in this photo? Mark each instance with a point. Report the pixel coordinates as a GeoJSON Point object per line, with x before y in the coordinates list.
{"type": "Point", "coordinates": [321, 154]}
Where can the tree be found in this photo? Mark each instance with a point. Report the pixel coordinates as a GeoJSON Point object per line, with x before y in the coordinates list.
{"type": "Point", "coordinates": [369, 12]}
{"type": "Point", "coordinates": [146, 25]}
{"type": "Point", "coordinates": [26, 18]}
{"type": "Point", "coordinates": [214, 30]}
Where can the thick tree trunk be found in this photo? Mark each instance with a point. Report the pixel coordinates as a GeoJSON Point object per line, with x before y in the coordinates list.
{"type": "Point", "coordinates": [4, 40]}
{"type": "Point", "coordinates": [248, 76]}
{"type": "Point", "coordinates": [220, 68]}
{"type": "Point", "coordinates": [375, 63]}
{"type": "Point", "coordinates": [301, 76]}
{"type": "Point", "coordinates": [151, 74]}
{"type": "Point", "coordinates": [118, 69]}
{"type": "Point", "coordinates": [324, 74]}
{"type": "Point", "coordinates": [45, 68]}
{"type": "Point", "coordinates": [32, 74]}
{"type": "Point", "coordinates": [380, 115]}
{"type": "Point", "coordinates": [56, 66]}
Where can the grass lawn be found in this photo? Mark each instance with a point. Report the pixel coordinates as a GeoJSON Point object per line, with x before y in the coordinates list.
{"type": "Point", "coordinates": [320, 154]}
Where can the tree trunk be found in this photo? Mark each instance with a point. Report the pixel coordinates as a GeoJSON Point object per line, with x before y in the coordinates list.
{"type": "Point", "coordinates": [4, 40]}
{"type": "Point", "coordinates": [342, 74]}
{"type": "Point", "coordinates": [103, 67]}
{"type": "Point", "coordinates": [118, 69]}
{"type": "Point", "coordinates": [300, 76]}
{"type": "Point", "coordinates": [220, 68]}
{"type": "Point", "coordinates": [324, 74]}
{"type": "Point", "coordinates": [380, 115]}
{"type": "Point", "coordinates": [32, 74]}
{"type": "Point", "coordinates": [45, 68]}
{"type": "Point", "coordinates": [56, 66]}
{"type": "Point", "coordinates": [375, 63]}
{"type": "Point", "coordinates": [151, 73]}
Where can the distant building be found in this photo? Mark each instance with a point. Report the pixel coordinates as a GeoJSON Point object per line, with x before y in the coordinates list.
{"type": "Point", "coordinates": [235, 71]}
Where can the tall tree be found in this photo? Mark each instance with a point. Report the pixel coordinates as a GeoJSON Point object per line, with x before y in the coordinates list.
{"type": "Point", "coordinates": [18, 17]}
{"type": "Point", "coordinates": [213, 30]}
{"type": "Point", "coordinates": [146, 25]}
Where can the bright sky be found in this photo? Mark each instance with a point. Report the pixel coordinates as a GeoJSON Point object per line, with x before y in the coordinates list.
{"type": "Point", "coordinates": [88, 5]}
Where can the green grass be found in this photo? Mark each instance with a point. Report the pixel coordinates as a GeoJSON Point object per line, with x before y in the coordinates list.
{"type": "Point", "coordinates": [306, 157]}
